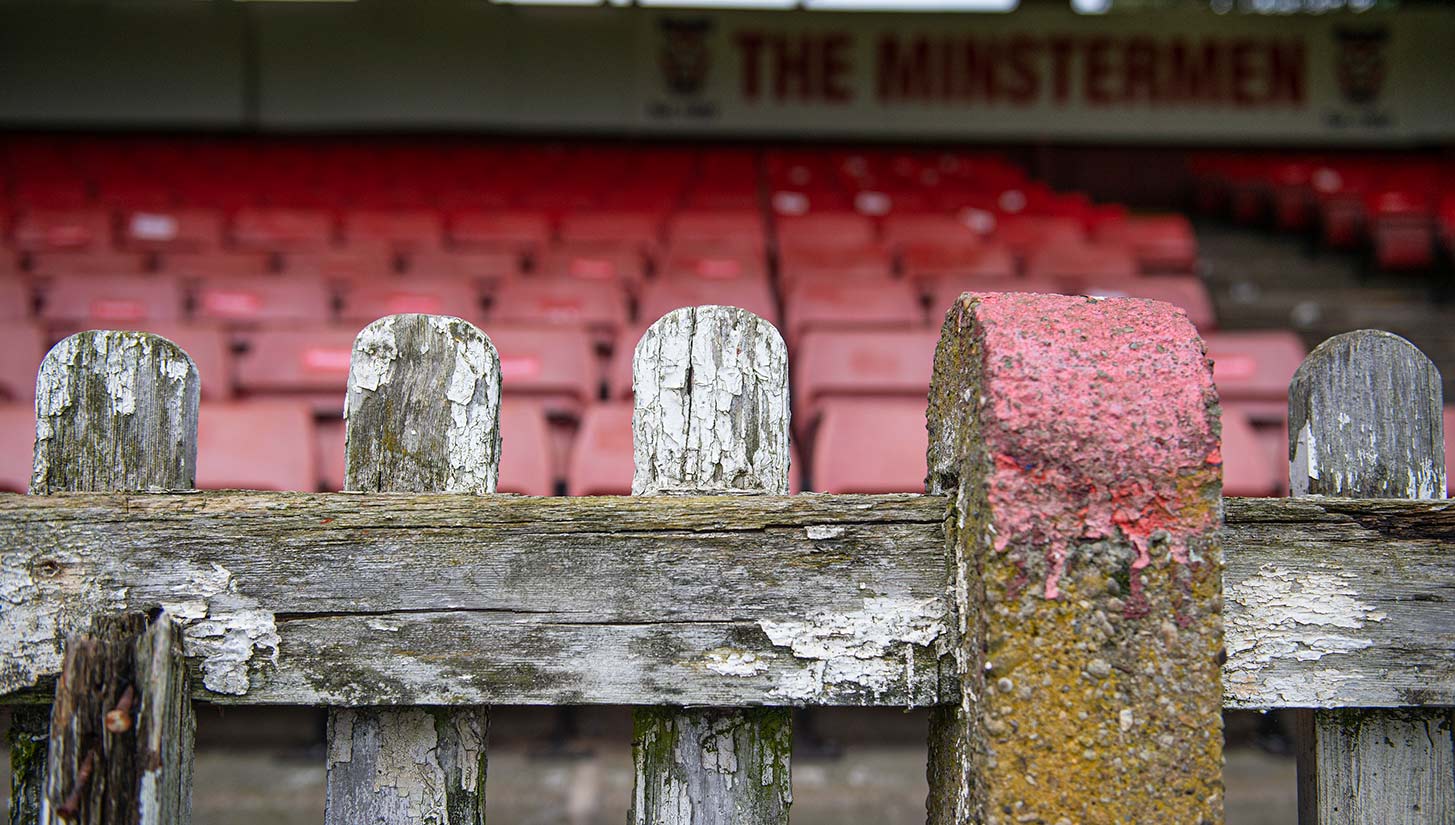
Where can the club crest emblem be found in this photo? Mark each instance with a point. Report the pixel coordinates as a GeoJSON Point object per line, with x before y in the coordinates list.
{"type": "Point", "coordinates": [1360, 66]}
{"type": "Point", "coordinates": [685, 59]}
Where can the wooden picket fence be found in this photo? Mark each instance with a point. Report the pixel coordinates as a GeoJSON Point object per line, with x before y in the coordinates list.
{"type": "Point", "coordinates": [1072, 596]}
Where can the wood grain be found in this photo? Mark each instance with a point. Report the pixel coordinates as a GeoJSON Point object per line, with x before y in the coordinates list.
{"type": "Point", "coordinates": [469, 575]}
{"type": "Point", "coordinates": [115, 411]}
{"type": "Point", "coordinates": [423, 412]}
{"type": "Point", "coordinates": [711, 416]}
{"type": "Point", "coordinates": [1365, 419]}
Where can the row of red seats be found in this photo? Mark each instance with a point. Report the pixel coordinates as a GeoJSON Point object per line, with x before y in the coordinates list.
{"type": "Point", "coordinates": [843, 380]}
{"type": "Point", "coordinates": [861, 445]}
{"type": "Point", "coordinates": [1396, 205]}
{"type": "Point", "coordinates": [624, 241]}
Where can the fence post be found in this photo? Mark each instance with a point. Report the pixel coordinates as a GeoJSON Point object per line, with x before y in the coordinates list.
{"type": "Point", "coordinates": [1079, 439]}
{"type": "Point", "coordinates": [116, 411]}
{"type": "Point", "coordinates": [1364, 421]}
{"type": "Point", "coordinates": [411, 765]}
{"type": "Point", "coordinates": [711, 416]}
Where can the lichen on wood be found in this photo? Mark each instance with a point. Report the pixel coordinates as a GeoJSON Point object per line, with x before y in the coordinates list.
{"type": "Point", "coordinates": [115, 411]}
{"type": "Point", "coordinates": [711, 416]}
{"type": "Point", "coordinates": [1364, 415]}
{"type": "Point", "coordinates": [423, 412]}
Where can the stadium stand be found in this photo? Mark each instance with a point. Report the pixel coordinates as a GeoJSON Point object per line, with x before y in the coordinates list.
{"type": "Point", "coordinates": [263, 258]}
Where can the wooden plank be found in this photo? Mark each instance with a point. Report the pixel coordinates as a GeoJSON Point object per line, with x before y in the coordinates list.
{"type": "Point", "coordinates": [1335, 602]}
{"type": "Point", "coordinates": [1365, 419]}
{"type": "Point", "coordinates": [262, 581]}
{"type": "Point", "coordinates": [423, 412]}
{"type": "Point", "coordinates": [711, 416]}
{"type": "Point", "coordinates": [498, 563]}
{"type": "Point", "coordinates": [115, 411]}
{"type": "Point", "coordinates": [1079, 439]}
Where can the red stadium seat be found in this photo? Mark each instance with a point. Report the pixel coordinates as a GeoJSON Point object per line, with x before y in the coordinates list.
{"type": "Point", "coordinates": [363, 303]}
{"type": "Point", "coordinates": [1401, 230]}
{"type": "Point", "coordinates": [57, 230]}
{"type": "Point", "coordinates": [1161, 243]}
{"type": "Point", "coordinates": [619, 369]}
{"type": "Point", "coordinates": [283, 230]}
{"type": "Point", "coordinates": [344, 266]}
{"type": "Point", "coordinates": [860, 363]}
{"type": "Point", "coordinates": [591, 262]}
{"type": "Point", "coordinates": [720, 264]}
{"type": "Point", "coordinates": [1255, 368]}
{"type": "Point", "coordinates": [553, 363]}
{"type": "Point", "coordinates": [480, 266]}
{"type": "Point", "coordinates": [1186, 292]}
{"type": "Point", "coordinates": [312, 361]}
{"type": "Point", "coordinates": [269, 299]}
{"type": "Point", "coordinates": [1078, 264]}
{"type": "Point", "coordinates": [91, 262]}
{"type": "Point", "coordinates": [987, 262]}
{"type": "Point", "coordinates": [661, 297]}
{"type": "Point", "coordinates": [601, 459]}
{"type": "Point", "coordinates": [17, 446]}
{"type": "Point", "coordinates": [522, 232]}
{"type": "Point", "coordinates": [636, 230]}
{"type": "Point", "coordinates": [216, 264]}
{"type": "Point", "coordinates": [329, 438]}
{"type": "Point", "coordinates": [399, 230]}
{"type": "Point", "coordinates": [23, 346]}
{"type": "Point", "coordinates": [526, 460]}
{"type": "Point", "coordinates": [856, 263]}
{"type": "Point", "coordinates": [742, 229]}
{"type": "Point", "coordinates": [1247, 470]}
{"type": "Point", "coordinates": [1023, 234]}
{"type": "Point", "coordinates": [15, 300]}
{"type": "Point", "coordinates": [119, 299]}
{"type": "Point", "coordinates": [870, 446]}
{"type": "Point", "coordinates": [596, 304]}
{"type": "Point", "coordinates": [172, 230]}
{"type": "Point", "coordinates": [831, 305]}
{"type": "Point", "coordinates": [256, 445]}
{"type": "Point", "coordinates": [929, 232]}
{"type": "Point", "coordinates": [818, 230]}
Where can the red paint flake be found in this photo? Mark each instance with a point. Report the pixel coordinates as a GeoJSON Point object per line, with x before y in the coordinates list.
{"type": "Point", "coordinates": [1100, 415]}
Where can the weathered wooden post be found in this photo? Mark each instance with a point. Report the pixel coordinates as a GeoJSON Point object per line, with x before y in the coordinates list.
{"type": "Point", "coordinates": [711, 416]}
{"type": "Point", "coordinates": [1079, 439]}
{"type": "Point", "coordinates": [1364, 421]}
{"type": "Point", "coordinates": [423, 412]}
{"type": "Point", "coordinates": [115, 411]}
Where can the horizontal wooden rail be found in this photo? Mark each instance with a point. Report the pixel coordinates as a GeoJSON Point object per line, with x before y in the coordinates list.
{"type": "Point", "coordinates": [721, 600]}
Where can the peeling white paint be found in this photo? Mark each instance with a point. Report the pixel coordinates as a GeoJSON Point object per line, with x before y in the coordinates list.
{"type": "Point", "coordinates": [1305, 464]}
{"type": "Point", "coordinates": [711, 391]}
{"type": "Point", "coordinates": [225, 629]}
{"type": "Point", "coordinates": [375, 351]}
{"type": "Point", "coordinates": [473, 442]}
{"type": "Point", "coordinates": [1281, 614]}
{"type": "Point", "coordinates": [736, 663]}
{"type": "Point", "coordinates": [860, 647]}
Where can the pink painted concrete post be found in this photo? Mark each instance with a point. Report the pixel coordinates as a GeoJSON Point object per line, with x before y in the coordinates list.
{"type": "Point", "coordinates": [1080, 439]}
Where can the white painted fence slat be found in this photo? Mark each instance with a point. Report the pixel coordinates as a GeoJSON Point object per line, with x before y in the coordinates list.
{"type": "Point", "coordinates": [711, 388]}
{"type": "Point", "coordinates": [115, 411]}
{"type": "Point", "coordinates": [423, 413]}
{"type": "Point", "coordinates": [1364, 419]}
